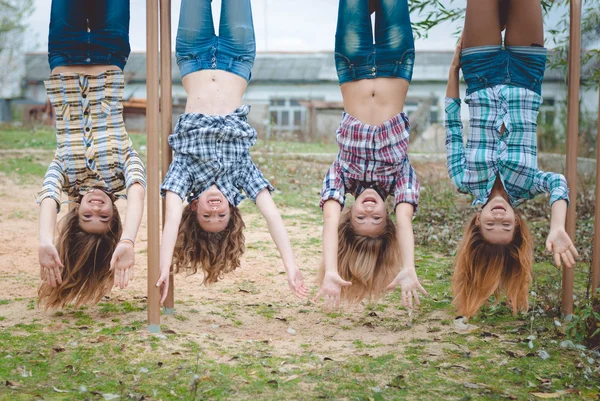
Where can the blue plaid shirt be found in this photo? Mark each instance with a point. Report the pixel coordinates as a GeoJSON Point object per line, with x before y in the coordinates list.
{"type": "Point", "coordinates": [214, 150]}
{"type": "Point", "coordinates": [512, 156]}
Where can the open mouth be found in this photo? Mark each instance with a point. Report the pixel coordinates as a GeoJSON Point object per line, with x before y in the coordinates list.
{"type": "Point", "coordinates": [497, 208]}
{"type": "Point", "coordinates": [96, 201]}
{"type": "Point", "coordinates": [214, 202]}
{"type": "Point", "coordinates": [369, 201]}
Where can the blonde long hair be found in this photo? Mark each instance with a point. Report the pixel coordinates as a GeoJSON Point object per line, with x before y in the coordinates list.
{"type": "Point", "coordinates": [213, 253]}
{"type": "Point", "coordinates": [86, 276]}
{"type": "Point", "coordinates": [482, 269]}
{"type": "Point", "coordinates": [369, 263]}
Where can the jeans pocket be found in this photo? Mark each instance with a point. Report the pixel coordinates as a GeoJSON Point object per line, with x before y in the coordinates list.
{"type": "Point", "coordinates": [342, 63]}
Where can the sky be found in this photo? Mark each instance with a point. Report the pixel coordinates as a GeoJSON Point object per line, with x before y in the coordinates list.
{"type": "Point", "coordinates": [280, 25]}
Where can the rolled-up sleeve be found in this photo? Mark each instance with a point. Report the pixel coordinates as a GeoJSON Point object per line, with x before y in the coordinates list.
{"type": "Point", "coordinates": [54, 181]}
{"type": "Point", "coordinates": [333, 185]}
{"type": "Point", "coordinates": [254, 181]}
{"type": "Point", "coordinates": [407, 189]}
{"type": "Point", "coordinates": [551, 183]}
{"type": "Point", "coordinates": [177, 180]}
{"type": "Point", "coordinates": [455, 150]}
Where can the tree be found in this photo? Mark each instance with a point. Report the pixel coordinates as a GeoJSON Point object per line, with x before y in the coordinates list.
{"type": "Point", "coordinates": [13, 14]}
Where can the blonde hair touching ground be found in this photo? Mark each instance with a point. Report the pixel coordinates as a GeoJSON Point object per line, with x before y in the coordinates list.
{"type": "Point", "coordinates": [369, 263]}
{"type": "Point", "coordinates": [86, 277]}
{"type": "Point", "coordinates": [213, 253]}
{"type": "Point", "coordinates": [482, 269]}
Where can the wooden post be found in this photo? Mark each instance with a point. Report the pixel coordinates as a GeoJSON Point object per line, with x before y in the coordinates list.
{"type": "Point", "coordinates": [166, 115]}
{"type": "Point", "coordinates": [596, 247]}
{"type": "Point", "coordinates": [572, 142]}
{"type": "Point", "coordinates": [152, 192]}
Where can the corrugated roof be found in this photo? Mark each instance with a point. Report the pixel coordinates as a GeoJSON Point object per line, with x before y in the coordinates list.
{"type": "Point", "coordinates": [279, 67]}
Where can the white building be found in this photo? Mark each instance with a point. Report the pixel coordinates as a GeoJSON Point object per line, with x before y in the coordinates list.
{"type": "Point", "coordinates": [284, 84]}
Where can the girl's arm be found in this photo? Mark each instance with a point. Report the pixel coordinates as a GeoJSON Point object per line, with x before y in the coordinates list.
{"type": "Point", "coordinates": [123, 258]}
{"type": "Point", "coordinates": [174, 210]}
{"type": "Point", "coordinates": [558, 241]}
{"type": "Point", "coordinates": [50, 264]}
{"type": "Point", "coordinates": [455, 153]}
{"type": "Point", "coordinates": [332, 282]}
{"type": "Point", "coordinates": [264, 202]}
{"type": "Point", "coordinates": [407, 278]}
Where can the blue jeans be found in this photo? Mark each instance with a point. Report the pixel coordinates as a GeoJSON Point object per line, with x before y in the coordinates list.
{"type": "Point", "coordinates": [199, 48]}
{"type": "Point", "coordinates": [87, 32]}
{"type": "Point", "coordinates": [392, 54]}
{"type": "Point", "coordinates": [488, 66]}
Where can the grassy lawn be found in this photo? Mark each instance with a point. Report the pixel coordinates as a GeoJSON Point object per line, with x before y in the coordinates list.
{"type": "Point", "coordinates": [106, 353]}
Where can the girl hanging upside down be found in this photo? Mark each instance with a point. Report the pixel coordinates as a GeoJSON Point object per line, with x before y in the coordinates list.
{"type": "Point", "coordinates": [211, 143]}
{"type": "Point", "coordinates": [499, 165]}
{"type": "Point", "coordinates": [88, 47]}
{"type": "Point", "coordinates": [364, 253]}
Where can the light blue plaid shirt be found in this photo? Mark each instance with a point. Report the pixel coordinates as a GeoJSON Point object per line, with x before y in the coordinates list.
{"type": "Point", "coordinates": [512, 156]}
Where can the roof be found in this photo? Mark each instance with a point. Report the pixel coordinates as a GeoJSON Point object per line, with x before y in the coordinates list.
{"type": "Point", "coordinates": [291, 68]}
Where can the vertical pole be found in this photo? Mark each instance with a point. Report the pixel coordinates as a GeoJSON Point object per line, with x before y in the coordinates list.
{"type": "Point", "coordinates": [572, 142]}
{"type": "Point", "coordinates": [596, 247]}
{"type": "Point", "coordinates": [166, 114]}
{"type": "Point", "coordinates": [153, 163]}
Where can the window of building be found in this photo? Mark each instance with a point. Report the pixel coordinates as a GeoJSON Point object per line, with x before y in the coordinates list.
{"type": "Point", "coordinates": [287, 115]}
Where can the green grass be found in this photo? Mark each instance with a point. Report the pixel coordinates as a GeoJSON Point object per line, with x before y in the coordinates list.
{"type": "Point", "coordinates": [105, 351]}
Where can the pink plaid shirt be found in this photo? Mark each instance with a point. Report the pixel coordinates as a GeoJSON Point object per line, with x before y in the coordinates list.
{"type": "Point", "coordinates": [372, 155]}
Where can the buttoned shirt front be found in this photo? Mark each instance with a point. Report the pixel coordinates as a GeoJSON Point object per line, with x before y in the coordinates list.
{"type": "Point", "coordinates": [93, 148]}
{"type": "Point", "coordinates": [211, 149]}
{"type": "Point", "coordinates": [490, 153]}
{"type": "Point", "coordinates": [372, 155]}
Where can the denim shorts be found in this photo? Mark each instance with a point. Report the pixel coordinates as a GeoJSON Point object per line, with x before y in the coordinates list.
{"type": "Point", "coordinates": [358, 56]}
{"type": "Point", "coordinates": [488, 66]}
{"type": "Point", "coordinates": [89, 33]}
{"type": "Point", "coordinates": [199, 48]}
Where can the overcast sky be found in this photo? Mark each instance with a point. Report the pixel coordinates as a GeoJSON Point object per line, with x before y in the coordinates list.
{"type": "Point", "coordinates": [281, 25]}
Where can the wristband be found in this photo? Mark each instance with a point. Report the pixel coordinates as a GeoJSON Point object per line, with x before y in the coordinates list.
{"type": "Point", "coordinates": [127, 240]}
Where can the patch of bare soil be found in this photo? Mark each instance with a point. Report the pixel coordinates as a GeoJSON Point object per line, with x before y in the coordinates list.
{"type": "Point", "coordinates": [252, 304]}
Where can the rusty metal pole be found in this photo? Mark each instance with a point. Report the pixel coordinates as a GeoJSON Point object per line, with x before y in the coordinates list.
{"type": "Point", "coordinates": [153, 164]}
{"type": "Point", "coordinates": [596, 248]}
{"type": "Point", "coordinates": [166, 116]}
{"type": "Point", "coordinates": [572, 142]}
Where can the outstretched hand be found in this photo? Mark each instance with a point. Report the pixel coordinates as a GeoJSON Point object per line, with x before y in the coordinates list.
{"type": "Point", "coordinates": [409, 283]}
{"type": "Point", "coordinates": [330, 290]}
{"type": "Point", "coordinates": [296, 283]}
{"type": "Point", "coordinates": [50, 265]}
{"type": "Point", "coordinates": [163, 285]}
{"type": "Point", "coordinates": [122, 263]}
{"type": "Point", "coordinates": [560, 244]}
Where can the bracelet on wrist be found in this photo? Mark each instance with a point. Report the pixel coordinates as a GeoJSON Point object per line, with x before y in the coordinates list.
{"type": "Point", "coordinates": [127, 240]}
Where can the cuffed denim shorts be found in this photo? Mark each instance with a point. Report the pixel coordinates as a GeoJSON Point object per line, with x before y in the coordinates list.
{"type": "Point", "coordinates": [199, 48]}
{"type": "Point", "coordinates": [89, 33]}
{"type": "Point", "coordinates": [488, 66]}
{"type": "Point", "coordinates": [390, 54]}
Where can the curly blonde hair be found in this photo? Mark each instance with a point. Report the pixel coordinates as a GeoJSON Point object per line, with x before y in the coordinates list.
{"type": "Point", "coordinates": [213, 253]}
{"type": "Point", "coordinates": [369, 263]}
{"type": "Point", "coordinates": [86, 276]}
{"type": "Point", "coordinates": [482, 269]}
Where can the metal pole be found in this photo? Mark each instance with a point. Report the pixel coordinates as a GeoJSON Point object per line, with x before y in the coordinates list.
{"type": "Point", "coordinates": [153, 164]}
{"type": "Point", "coordinates": [596, 248]}
{"type": "Point", "coordinates": [572, 142]}
{"type": "Point", "coordinates": [166, 116]}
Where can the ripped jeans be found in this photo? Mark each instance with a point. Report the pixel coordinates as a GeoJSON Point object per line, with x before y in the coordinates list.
{"type": "Point", "coordinates": [358, 56]}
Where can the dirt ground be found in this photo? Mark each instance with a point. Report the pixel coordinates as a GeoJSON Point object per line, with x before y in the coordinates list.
{"type": "Point", "coordinates": [251, 304]}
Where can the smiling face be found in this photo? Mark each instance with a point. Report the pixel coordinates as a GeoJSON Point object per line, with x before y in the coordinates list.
{"type": "Point", "coordinates": [212, 210]}
{"type": "Point", "coordinates": [369, 214]}
{"type": "Point", "coordinates": [497, 221]}
{"type": "Point", "coordinates": [95, 212]}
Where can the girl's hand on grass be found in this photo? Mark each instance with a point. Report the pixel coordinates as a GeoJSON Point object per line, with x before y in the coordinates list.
{"type": "Point", "coordinates": [163, 285]}
{"type": "Point", "coordinates": [50, 265]}
{"type": "Point", "coordinates": [560, 244]}
{"type": "Point", "coordinates": [296, 283]}
{"type": "Point", "coordinates": [409, 283]}
{"type": "Point", "coordinates": [122, 263]}
{"type": "Point", "coordinates": [330, 290]}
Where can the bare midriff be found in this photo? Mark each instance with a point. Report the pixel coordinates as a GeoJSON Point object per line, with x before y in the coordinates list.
{"type": "Point", "coordinates": [213, 92]}
{"type": "Point", "coordinates": [85, 69]}
{"type": "Point", "coordinates": [374, 101]}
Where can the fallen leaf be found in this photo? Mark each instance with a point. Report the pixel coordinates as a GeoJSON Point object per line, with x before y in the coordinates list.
{"type": "Point", "coordinates": [12, 384]}
{"type": "Point", "coordinates": [557, 394]}
{"type": "Point", "coordinates": [273, 383]}
{"type": "Point", "coordinates": [59, 390]}
{"type": "Point", "coordinates": [58, 349]}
